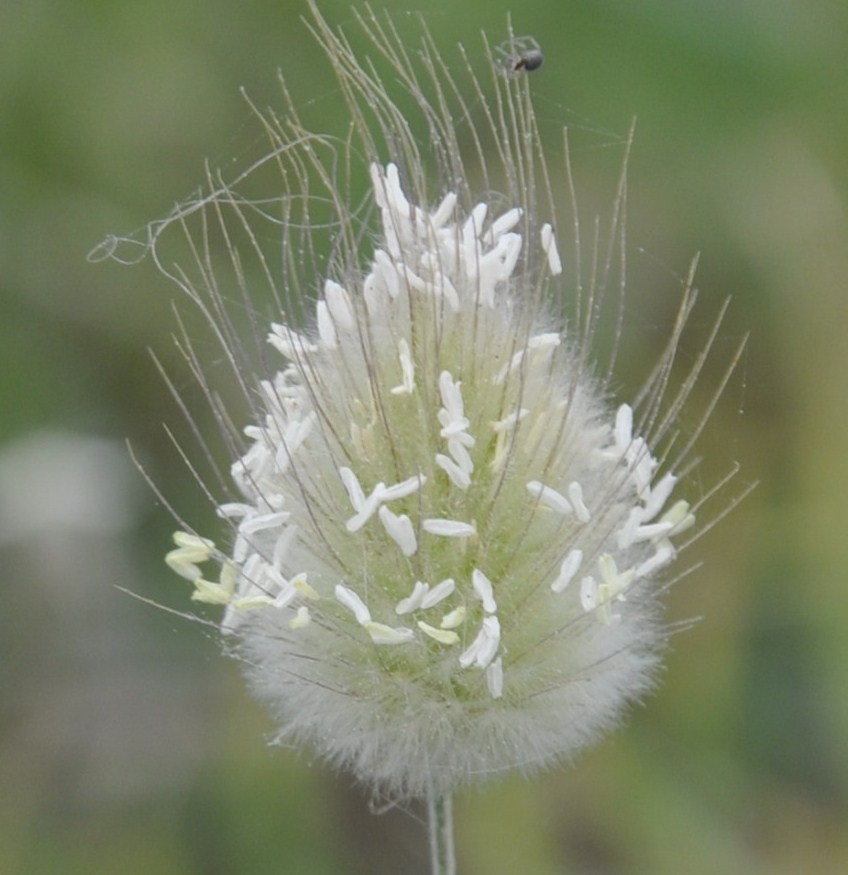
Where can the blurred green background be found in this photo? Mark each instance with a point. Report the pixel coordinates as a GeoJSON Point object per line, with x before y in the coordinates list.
{"type": "Point", "coordinates": [127, 743]}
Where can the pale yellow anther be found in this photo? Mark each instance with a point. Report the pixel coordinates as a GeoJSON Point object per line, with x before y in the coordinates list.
{"type": "Point", "coordinates": [443, 636]}
{"type": "Point", "coordinates": [455, 618]}
{"type": "Point", "coordinates": [188, 541]}
{"type": "Point", "coordinates": [191, 551]}
{"type": "Point", "coordinates": [679, 516]}
{"type": "Point", "coordinates": [177, 562]}
{"type": "Point", "coordinates": [212, 593]}
{"type": "Point", "coordinates": [615, 582]}
{"type": "Point", "coordinates": [251, 602]}
{"type": "Point", "coordinates": [301, 618]}
{"type": "Point", "coordinates": [382, 634]}
{"type": "Point", "coordinates": [305, 589]}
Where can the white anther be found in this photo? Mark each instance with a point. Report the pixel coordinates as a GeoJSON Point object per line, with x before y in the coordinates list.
{"type": "Point", "coordinates": [474, 223]}
{"type": "Point", "coordinates": [353, 487]}
{"type": "Point", "coordinates": [660, 559]}
{"type": "Point", "coordinates": [483, 587]}
{"type": "Point", "coordinates": [484, 647]}
{"type": "Point", "coordinates": [569, 568]}
{"type": "Point", "coordinates": [400, 529]}
{"type": "Point", "coordinates": [494, 678]}
{"type": "Point", "coordinates": [623, 427]}
{"type": "Point", "coordinates": [658, 496]}
{"type": "Point", "coordinates": [549, 497]}
{"type": "Point", "coordinates": [502, 224]}
{"type": "Point", "coordinates": [369, 507]}
{"type": "Point", "coordinates": [549, 247]}
{"type": "Point", "coordinates": [575, 498]}
{"type": "Point", "coordinates": [444, 210]}
{"type": "Point", "coordinates": [455, 473]}
{"type": "Point", "coordinates": [448, 528]}
{"type": "Point", "coordinates": [404, 488]}
{"type": "Point", "coordinates": [414, 601]}
{"type": "Point", "coordinates": [438, 593]}
{"type": "Point", "coordinates": [353, 603]}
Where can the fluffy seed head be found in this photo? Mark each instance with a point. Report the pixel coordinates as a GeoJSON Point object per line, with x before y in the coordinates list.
{"type": "Point", "coordinates": [445, 541]}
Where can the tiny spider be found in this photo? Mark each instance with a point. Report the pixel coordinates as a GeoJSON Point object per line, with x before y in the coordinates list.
{"type": "Point", "coordinates": [520, 54]}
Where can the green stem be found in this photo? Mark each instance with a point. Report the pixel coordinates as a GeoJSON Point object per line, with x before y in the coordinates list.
{"type": "Point", "coordinates": [440, 823]}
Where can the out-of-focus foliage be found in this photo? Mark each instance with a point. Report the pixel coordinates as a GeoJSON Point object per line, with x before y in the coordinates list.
{"type": "Point", "coordinates": [127, 744]}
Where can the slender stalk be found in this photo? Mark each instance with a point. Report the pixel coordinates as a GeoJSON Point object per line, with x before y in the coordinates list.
{"type": "Point", "coordinates": [440, 824]}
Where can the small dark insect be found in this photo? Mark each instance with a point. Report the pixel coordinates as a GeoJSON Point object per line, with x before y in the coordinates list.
{"type": "Point", "coordinates": [520, 54]}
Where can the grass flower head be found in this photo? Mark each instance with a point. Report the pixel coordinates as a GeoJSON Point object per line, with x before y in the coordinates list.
{"type": "Point", "coordinates": [442, 545]}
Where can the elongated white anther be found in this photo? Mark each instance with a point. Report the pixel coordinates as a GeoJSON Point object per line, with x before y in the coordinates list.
{"type": "Point", "coordinates": [575, 499]}
{"type": "Point", "coordinates": [495, 678]}
{"type": "Point", "coordinates": [549, 247]}
{"type": "Point", "coordinates": [401, 490]}
{"type": "Point", "coordinates": [501, 225]}
{"type": "Point", "coordinates": [444, 211]}
{"type": "Point", "coordinates": [569, 568]}
{"type": "Point", "coordinates": [368, 509]}
{"type": "Point", "coordinates": [658, 496]}
{"type": "Point", "coordinates": [484, 647]}
{"type": "Point", "coordinates": [353, 603]}
{"type": "Point", "coordinates": [483, 587]}
{"type": "Point", "coordinates": [353, 487]}
{"type": "Point", "coordinates": [400, 529]}
{"type": "Point", "coordinates": [659, 560]}
{"type": "Point", "coordinates": [549, 497]}
{"type": "Point", "coordinates": [448, 528]}
{"type": "Point", "coordinates": [457, 476]}
{"type": "Point", "coordinates": [438, 593]}
{"type": "Point", "coordinates": [414, 601]}
{"type": "Point", "coordinates": [452, 415]}
{"type": "Point", "coordinates": [623, 427]}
